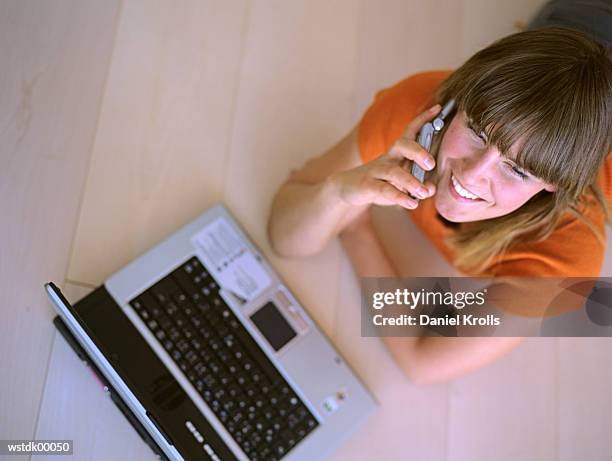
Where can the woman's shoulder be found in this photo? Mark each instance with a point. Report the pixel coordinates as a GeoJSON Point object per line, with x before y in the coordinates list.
{"type": "Point", "coordinates": [414, 87]}
{"type": "Point", "coordinates": [393, 108]}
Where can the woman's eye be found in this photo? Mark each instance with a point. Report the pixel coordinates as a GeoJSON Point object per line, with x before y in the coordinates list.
{"type": "Point", "coordinates": [518, 172]}
{"type": "Point", "coordinates": [477, 133]}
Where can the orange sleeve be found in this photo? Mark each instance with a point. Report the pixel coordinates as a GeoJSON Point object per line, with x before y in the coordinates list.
{"type": "Point", "coordinates": [392, 109]}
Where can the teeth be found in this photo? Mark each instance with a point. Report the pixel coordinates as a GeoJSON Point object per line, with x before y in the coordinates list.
{"type": "Point", "coordinates": [461, 191]}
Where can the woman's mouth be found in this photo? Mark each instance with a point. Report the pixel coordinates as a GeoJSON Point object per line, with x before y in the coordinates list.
{"type": "Point", "coordinates": [460, 193]}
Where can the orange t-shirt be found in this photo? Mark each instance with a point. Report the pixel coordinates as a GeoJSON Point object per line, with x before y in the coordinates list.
{"type": "Point", "coordinates": [572, 250]}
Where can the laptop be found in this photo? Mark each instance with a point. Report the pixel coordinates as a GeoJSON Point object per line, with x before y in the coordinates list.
{"type": "Point", "coordinates": [210, 356]}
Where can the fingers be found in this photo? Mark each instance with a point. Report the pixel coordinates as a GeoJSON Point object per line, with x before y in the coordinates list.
{"type": "Point", "coordinates": [415, 125]}
{"type": "Point", "coordinates": [387, 194]}
{"type": "Point", "coordinates": [411, 150]}
{"type": "Point", "coordinates": [404, 181]}
{"type": "Point", "coordinates": [408, 148]}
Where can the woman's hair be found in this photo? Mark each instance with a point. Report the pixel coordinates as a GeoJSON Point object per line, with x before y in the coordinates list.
{"type": "Point", "coordinates": [551, 89]}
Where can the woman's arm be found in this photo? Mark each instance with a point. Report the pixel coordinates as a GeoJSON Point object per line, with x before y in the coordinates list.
{"type": "Point", "coordinates": [427, 359]}
{"type": "Point", "coordinates": [307, 210]}
{"type": "Point", "coordinates": [304, 217]}
{"type": "Point", "coordinates": [329, 191]}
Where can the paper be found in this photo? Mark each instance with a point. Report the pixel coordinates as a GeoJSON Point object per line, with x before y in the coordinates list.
{"type": "Point", "coordinates": [235, 267]}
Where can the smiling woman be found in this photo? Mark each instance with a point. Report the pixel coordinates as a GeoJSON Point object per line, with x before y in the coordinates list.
{"type": "Point", "coordinates": [518, 180]}
{"type": "Point", "coordinates": [517, 189]}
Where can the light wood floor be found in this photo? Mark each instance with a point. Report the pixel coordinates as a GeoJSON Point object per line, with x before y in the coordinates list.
{"type": "Point", "coordinates": [122, 120]}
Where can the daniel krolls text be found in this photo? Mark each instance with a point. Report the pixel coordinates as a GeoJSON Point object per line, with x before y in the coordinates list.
{"type": "Point", "coordinates": [433, 302]}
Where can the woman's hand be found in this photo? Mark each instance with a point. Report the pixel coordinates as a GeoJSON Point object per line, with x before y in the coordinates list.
{"type": "Point", "coordinates": [387, 180]}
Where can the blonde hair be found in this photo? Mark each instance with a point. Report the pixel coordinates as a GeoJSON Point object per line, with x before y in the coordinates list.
{"type": "Point", "coordinates": [552, 86]}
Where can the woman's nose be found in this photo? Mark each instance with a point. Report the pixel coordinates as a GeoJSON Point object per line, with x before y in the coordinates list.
{"type": "Point", "coordinates": [478, 169]}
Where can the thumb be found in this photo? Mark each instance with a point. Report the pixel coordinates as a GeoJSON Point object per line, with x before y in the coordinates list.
{"type": "Point", "coordinates": [415, 125]}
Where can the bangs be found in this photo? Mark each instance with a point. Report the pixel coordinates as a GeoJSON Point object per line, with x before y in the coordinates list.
{"type": "Point", "coordinates": [539, 129]}
{"type": "Point", "coordinates": [544, 103]}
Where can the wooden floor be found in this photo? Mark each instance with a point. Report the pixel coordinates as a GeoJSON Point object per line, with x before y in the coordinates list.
{"type": "Point", "coordinates": [121, 121]}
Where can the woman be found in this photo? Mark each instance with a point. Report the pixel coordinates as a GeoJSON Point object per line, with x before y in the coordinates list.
{"type": "Point", "coordinates": [518, 181]}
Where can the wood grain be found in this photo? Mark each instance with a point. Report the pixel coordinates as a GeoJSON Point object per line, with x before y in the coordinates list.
{"type": "Point", "coordinates": [160, 153]}
{"type": "Point", "coordinates": [55, 58]}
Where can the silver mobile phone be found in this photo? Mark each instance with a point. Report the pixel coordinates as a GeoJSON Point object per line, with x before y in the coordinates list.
{"type": "Point", "coordinates": [427, 133]}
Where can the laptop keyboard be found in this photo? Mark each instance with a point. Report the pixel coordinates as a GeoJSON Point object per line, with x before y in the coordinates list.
{"type": "Point", "coordinates": [224, 363]}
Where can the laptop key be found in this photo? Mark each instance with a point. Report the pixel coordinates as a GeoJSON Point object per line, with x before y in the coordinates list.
{"type": "Point", "coordinates": [192, 357]}
{"type": "Point", "coordinates": [279, 449]}
{"type": "Point", "coordinates": [160, 334]}
{"type": "Point", "coordinates": [164, 322]}
{"type": "Point", "coordinates": [222, 330]}
{"type": "Point", "coordinates": [176, 355]}
{"type": "Point", "coordinates": [188, 310]}
{"type": "Point", "coordinates": [173, 333]}
{"type": "Point", "coordinates": [171, 308]}
{"type": "Point", "coordinates": [197, 345]}
{"type": "Point", "coordinates": [182, 345]}
{"type": "Point", "coordinates": [209, 380]}
{"type": "Point", "coordinates": [206, 333]}
{"type": "Point", "coordinates": [268, 413]}
{"type": "Point", "coordinates": [229, 405]}
{"type": "Point", "coordinates": [288, 437]}
{"type": "Point", "coordinates": [186, 282]}
{"type": "Point", "coordinates": [203, 307]}
{"type": "Point", "coordinates": [223, 415]}
{"type": "Point", "coordinates": [215, 405]}
{"type": "Point", "coordinates": [264, 453]}
{"type": "Point", "coordinates": [292, 421]}
{"type": "Point", "coordinates": [301, 413]}
{"type": "Point", "coordinates": [234, 391]}
{"type": "Point", "coordinates": [251, 391]}
{"type": "Point", "coordinates": [136, 304]}
{"type": "Point", "coordinates": [276, 425]}
{"type": "Point", "coordinates": [188, 332]}
{"type": "Point", "coordinates": [165, 287]}
{"type": "Point", "coordinates": [246, 445]}
{"type": "Point", "coordinates": [310, 423]}
{"type": "Point", "coordinates": [183, 365]}
{"type": "Point", "coordinates": [196, 320]}
{"type": "Point", "coordinates": [180, 298]}
{"type": "Point", "coordinates": [214, 366]}
{"type": "Point", "coordinates": [180, 320]}
{"type": "Point", "coordinates": [241, 379]}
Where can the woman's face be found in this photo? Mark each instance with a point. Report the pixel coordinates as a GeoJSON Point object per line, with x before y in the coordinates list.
{"type": "Point", "coordinates": [475, 181]}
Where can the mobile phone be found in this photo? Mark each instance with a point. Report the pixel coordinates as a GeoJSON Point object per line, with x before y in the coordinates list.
{"type": "Point", "coordinates": [428, 131]}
